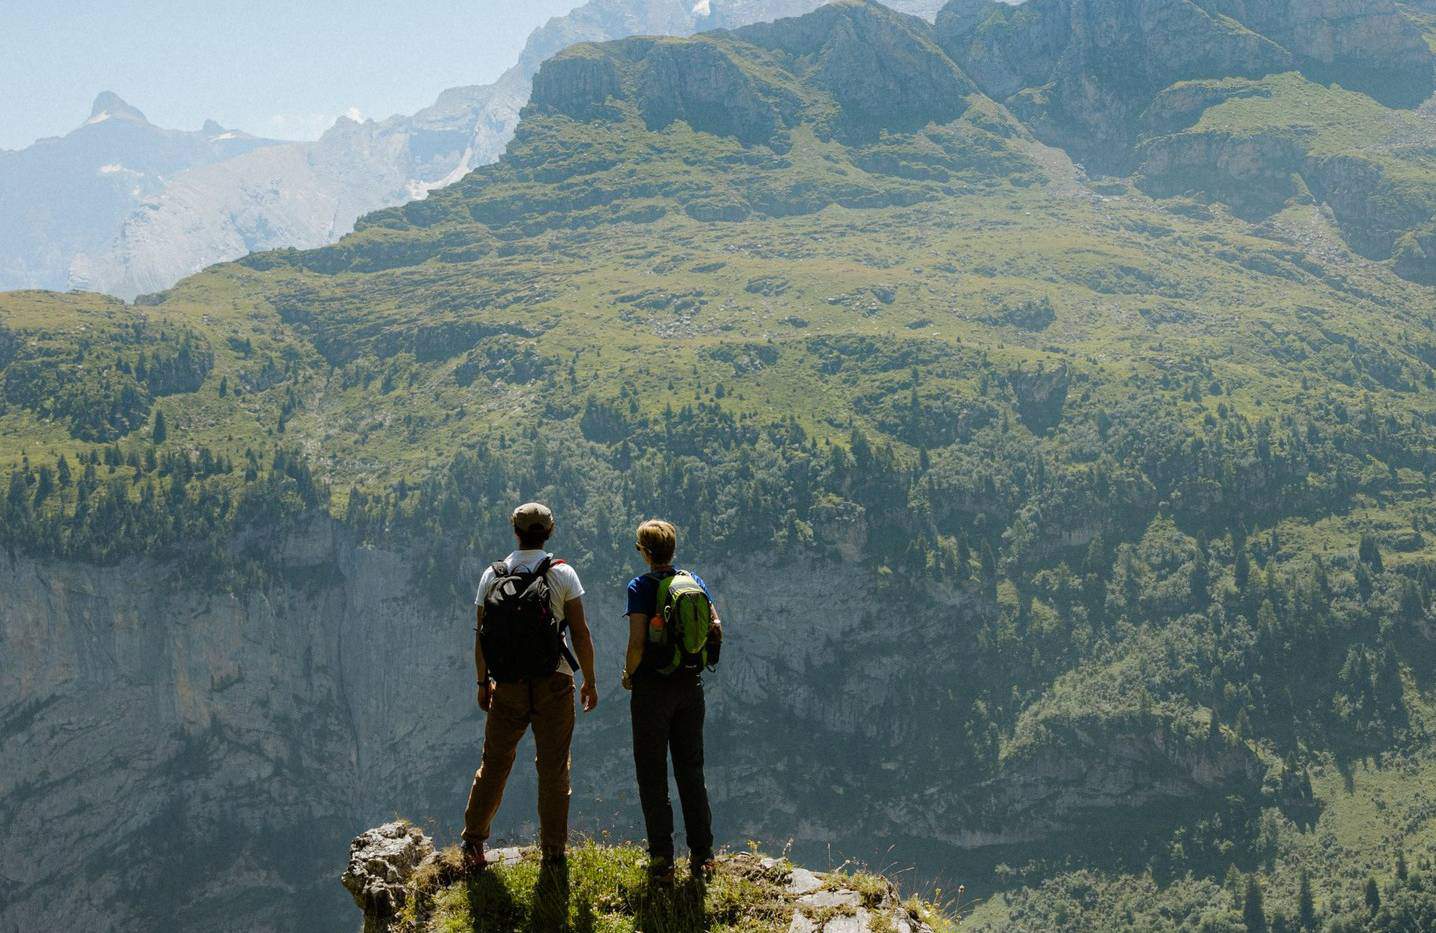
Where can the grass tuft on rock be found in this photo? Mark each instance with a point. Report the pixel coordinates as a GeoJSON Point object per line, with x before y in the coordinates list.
{"type": "Point", "coordinates": [605, 889]}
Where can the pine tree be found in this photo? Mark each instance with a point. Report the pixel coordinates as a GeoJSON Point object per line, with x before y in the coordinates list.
{"type": "Point", "coordinates": [161, 430]}
{"type": "Point", "coordinates": [989, 563]}
{"type": "Point", "coordinates": [62, 472]}
{"type": "Point", "coordinates": [1253, 907]}
{"type": "Point", "coordinates": [1305, 905]}
{"type": "Point", "coordinates": [1369, 551]}
{"type": "Point", "coordinates": [44, 485]}
{"type": "Point", "coordinates": [1401, 871]}
{"type": "Point", "coordinates": [1242, 570]}
{"type": "Point", "coordinates": [1373, 895]}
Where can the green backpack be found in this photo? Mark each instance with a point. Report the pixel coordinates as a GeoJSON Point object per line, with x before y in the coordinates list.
{"type": "Point", "coordinates": [678, 632]}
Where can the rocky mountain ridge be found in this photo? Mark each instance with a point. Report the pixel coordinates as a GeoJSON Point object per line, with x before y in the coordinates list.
{"type": "Point", "coordinates": [304, 195]}
{"type": "Point", "coordinates": [64, 197]}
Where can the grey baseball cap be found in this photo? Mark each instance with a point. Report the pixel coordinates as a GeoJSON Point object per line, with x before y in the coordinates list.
{"type": "Point", "coordinates": [533, 516]}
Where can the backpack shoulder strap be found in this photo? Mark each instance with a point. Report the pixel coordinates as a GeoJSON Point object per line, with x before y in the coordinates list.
{"type": "Point", "coordinates": [544, 566]}
{"type": "Point", "coordinates": [664, 585]}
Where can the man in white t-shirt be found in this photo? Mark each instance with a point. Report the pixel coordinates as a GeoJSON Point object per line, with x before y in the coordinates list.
{"type": "Point", "coordinates": [542, 700]}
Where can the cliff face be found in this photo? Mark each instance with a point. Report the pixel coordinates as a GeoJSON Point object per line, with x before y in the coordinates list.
{"type": "Point", "coordinates": [1080, 72]}
{"type": "Point", "coordinates": [197, 757]}
{"type": "Point", "coordinates": [190, 753]}
{"type": "Point", "coordinates": [1367, 45]}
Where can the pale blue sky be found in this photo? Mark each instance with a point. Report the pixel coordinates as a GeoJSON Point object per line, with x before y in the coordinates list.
{"type": "Point", "coordinates": [273, 67]}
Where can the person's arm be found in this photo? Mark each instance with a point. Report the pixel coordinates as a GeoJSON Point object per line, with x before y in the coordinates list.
{"type": "Point", "coordinates": [717, 624]}
{"type": "Point", "coordinates": [583, 649]}
{"type": "Point", "coordinates": [481, 667]}
{"type": "Point", "coordinates": [637, 638]}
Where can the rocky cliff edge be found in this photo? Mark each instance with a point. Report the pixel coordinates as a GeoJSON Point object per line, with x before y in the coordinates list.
{"type": "Point", "coordinates": [402, 883]}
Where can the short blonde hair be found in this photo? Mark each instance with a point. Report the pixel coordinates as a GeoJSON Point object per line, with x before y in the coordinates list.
{"type": "Point", "coordinates": [658, 539]}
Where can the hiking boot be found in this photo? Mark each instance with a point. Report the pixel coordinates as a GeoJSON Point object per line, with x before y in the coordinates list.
{"type": "Point", "coordinates": [660, 871]}
{"type": "Point", "coordinates": [553, 857]}
{"type": "Point", "coordinates": [703, 869]}
{"type": "Point", "coordinates": [472, 858]}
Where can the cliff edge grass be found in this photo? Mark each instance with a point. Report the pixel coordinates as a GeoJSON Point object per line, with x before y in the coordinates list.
{"type": "Point", "coordinates": [404, 885]}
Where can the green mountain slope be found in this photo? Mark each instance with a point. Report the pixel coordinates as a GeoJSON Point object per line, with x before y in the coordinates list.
{"type": "Point", "coordinates": [1123, 502]}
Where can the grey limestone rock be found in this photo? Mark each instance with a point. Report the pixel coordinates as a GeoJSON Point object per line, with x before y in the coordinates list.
{"type": "Point", "coordinates": [381, 863]}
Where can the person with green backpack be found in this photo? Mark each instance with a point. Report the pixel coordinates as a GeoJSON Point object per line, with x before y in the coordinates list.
{"type": "Point", "coordinates": [673, 634]}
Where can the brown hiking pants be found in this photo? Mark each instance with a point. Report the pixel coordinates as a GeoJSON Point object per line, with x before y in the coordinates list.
{"type": "Point", "coordinates": [546, 704]}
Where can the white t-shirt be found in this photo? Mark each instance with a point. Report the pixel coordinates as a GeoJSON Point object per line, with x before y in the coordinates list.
{"type": "Point", "coordinates": [563, 585]}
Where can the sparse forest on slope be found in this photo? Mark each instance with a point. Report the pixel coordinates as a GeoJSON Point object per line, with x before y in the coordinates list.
{"type": "Point", "coordinates": [1144, 477]}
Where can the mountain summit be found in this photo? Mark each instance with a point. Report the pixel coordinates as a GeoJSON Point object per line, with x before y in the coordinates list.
{"type": "Point", "coordinates": [66, 198]}
{"type": "Point", "coordinates": [109, 105]}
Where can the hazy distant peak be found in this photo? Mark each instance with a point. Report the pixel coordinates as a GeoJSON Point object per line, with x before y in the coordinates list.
{"type": "Point", "coordinates": [211, 128]}
{"type": "Point", "coordinates": [109, 105]}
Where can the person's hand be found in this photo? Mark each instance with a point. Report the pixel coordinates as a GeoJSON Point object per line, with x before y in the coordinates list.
{"type": "Point", "coordinates": [627, 681]}
{"type": "Point", "coordinates": [588, 696]}
{"type": "Point", "coordinates": [486, 695]}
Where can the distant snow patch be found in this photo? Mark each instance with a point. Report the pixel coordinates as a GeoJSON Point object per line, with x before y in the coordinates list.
{"type": "Point", "coordinates": [98, 118]}
{"type": "Point", "coordinates": [230, 135]}
{"type": "Point", "coordinates": [111, 168]}
{"type": "Point", "coordinates": [355, 114]}
{"type": "Point", "coordinates": [703, 8]}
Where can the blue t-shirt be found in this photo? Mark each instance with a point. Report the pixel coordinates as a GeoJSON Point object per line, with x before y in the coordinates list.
{"type": "Point", "coordinates": [643, 592]}
{"type": "Point", "coordinates": [643, 597]}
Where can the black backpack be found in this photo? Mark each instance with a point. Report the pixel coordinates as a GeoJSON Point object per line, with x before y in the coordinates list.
{"type": "Point", "coordinates": [520, 636]}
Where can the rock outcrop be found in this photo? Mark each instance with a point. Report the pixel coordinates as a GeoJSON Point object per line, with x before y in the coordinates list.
{"type": "Point", "coordinates": [382, 864]}
{"type": "Point", "coordinates": [881, 69]}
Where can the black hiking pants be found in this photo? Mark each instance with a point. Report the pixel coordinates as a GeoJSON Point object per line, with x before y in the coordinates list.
{"type": "Point", "coordinates": [668, 717]}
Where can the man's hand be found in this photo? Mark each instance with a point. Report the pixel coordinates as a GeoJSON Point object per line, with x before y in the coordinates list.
{"type": "Point", "coordinates": [486, 695]}
{"type": "Point", "coordinates": [627, 681]}
{"type": "Point", "coordinates": [588, 696]}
